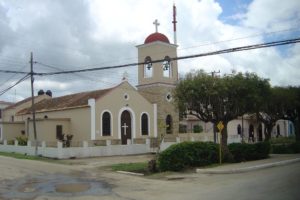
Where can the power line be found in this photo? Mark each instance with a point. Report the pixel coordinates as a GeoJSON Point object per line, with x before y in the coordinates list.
{"type": "Point", "coordinates": [181, 49]}
{"type": "Point", "coordinates": [240, 38]}
{"type": "Point", "coordinates": [230, 50]}
{"type": "Point", "coordinates": [11, 77]}
{"type": "Point", "coordinates": [18, 82]}
{"type": "Point", "coordinates": [12, 72]}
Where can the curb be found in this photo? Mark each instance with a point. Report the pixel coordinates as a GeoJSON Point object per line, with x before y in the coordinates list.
{"type": "Point", "coordinates": [247, 169]}
{"type": "Point", "coordinates": [130, 173]}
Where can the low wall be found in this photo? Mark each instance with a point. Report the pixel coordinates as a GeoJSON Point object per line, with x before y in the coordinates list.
{"type": "Point", "coordinates": [78, 152]}
{"type": "Point", "coordinates": [109, 149]}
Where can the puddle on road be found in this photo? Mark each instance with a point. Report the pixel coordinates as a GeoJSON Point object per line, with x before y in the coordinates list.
{"type": "Point", "coordinates": [52, 185]}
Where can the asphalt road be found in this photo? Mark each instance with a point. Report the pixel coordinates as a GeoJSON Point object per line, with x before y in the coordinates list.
{"type": "Point", "coordinates": [23, 179]}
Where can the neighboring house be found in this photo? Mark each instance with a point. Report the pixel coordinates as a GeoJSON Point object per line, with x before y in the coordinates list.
{"type": "Point", "coordinates": [246, 128]}
{"type": "Point", "coordinates": [14, 125]}
{"type": "Point", "coordinates": [3, 105]}
{"type": "Point", "coordinates": [190, 122]}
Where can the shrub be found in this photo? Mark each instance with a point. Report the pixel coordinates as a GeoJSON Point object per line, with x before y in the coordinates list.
{"type": "Point", "coordinates": [197, 129]}
{"type": "Point", "coordinates": [246, 152]}
{"type": "Point", "coordinates": [22, 141]}
{"type": "Point", "coordinates": [286, 148]}
{"type": "Point", "coordinates": [295, 147]}
{"type": "Point", "coordinates": [10, 142]}
{"type": "Point", "coordinates": [283, 140]}
{"type": "Point", "coordinates": [281, 149]}
{"type": "Point", "coordinates": [188, 154]}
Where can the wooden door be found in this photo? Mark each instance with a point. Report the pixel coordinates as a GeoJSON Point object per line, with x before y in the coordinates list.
{"type": "Point", "coordinates": [125, 127]}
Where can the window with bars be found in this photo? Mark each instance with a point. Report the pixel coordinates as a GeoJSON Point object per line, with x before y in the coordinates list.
{"type": "Point", "coordinates": [106, 124]}
{"type": "Point", "coordinates": [145, 125]}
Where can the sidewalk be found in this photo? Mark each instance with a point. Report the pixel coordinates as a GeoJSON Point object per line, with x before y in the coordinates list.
{"type": "Point", "coordinates": [273, 161]}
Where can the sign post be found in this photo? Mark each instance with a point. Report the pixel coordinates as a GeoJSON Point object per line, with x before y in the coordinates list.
{"type": "Point", "coordinates": [220, 126]}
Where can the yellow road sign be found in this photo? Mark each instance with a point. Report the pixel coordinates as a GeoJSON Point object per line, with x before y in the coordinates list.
{"type": "Point", "coordinates": [220, 126]}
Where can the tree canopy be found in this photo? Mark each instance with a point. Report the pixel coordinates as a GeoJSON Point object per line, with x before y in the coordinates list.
{"type": "Point", "coordinates": [214, 99]}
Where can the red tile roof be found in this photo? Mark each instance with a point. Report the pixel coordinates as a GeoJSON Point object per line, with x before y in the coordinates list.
{"type": "Point", "coordinates": [66, 102]}
{"type": "Point", "coordinates": [6, 103]}
{"type": "Point", "coordinates": [156, 37]}
{"type": "Point", "coordinates": [18, 103]}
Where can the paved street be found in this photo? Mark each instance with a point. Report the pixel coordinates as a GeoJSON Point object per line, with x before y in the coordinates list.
{"type": "Point", "coordinates": [24, 179]}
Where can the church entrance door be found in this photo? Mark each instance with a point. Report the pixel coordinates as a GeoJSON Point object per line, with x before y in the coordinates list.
{"type": "Point", "coordinates": [125, 127]}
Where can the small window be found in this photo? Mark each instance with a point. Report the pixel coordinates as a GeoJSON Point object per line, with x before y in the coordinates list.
{"type": "Point", "coordinates": [0, 113]}
{"type": "Point", "coordinates": [106, 126]}
{"type": "Point", "coordinates": [12, 118]}
{"type": "Point", "coordinates": [148, 69]}
{"type": "Point", "coordinates": [59, 132]}
{"type": "Point", "coordinates": [145, 125]}
{"type": "Point", "coordinates": [126, 96]}
{"type": "Point", "coordinates": [169, 97]}
{"type": "Point", "coordinates": [167, 68]}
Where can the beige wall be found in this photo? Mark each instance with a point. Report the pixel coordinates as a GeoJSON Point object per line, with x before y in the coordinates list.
{"type": "Point", "coordinates": [46, 129]}
{"type": "Point", "coordinates": [115, 103]}
{"type": "Point", "coordinates": [157, 94]}
{"type": "Point", "coordinates": [12, 130]}
{"type": "Point", "coordinates": [79, 124]}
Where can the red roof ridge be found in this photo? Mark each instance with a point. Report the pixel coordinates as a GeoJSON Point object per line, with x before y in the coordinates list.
{"type": "Point", "coordinates": [156, 37]}
{"type": "Point", "coordinates": [69, 101]}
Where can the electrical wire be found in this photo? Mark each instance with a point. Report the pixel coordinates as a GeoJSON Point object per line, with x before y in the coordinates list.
{"type": "Point", "coordinates": [18, 82]}
{"type": "Point", "coordinates": [224, 51]}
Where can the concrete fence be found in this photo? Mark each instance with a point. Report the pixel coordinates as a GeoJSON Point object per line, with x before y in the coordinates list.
{"type": "Point", "coordinates": [86, 149]}
{"type": "Point", "coordinates": [79, 152]}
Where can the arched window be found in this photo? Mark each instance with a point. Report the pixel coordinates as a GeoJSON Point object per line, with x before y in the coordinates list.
{"type": "Point", "coordinates": [145, 125]}
{"type": "Point", "coordinates": [148, 69]}
{"type": "Point", "coordinates": [167, 68]}
{"type": "Point", "coordinates": [106, 124]}
{"type": "Point", "coordinates": [278, 130]}
{"type": "Point", "coordinates": [169, 124]}
{"type": "Point", "coordinates": [239, 130]}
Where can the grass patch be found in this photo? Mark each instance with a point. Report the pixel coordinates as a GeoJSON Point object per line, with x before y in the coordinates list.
{"type": "Point", "coordinates": [22, 156]}
{"type": "Point", "coordinates": [140, 167]}
{"type": "Point", "coordinates": [28, 157]}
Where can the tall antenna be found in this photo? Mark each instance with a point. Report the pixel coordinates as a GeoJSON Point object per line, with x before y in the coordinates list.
{"type": "Point", "coordinates": [174, 23]}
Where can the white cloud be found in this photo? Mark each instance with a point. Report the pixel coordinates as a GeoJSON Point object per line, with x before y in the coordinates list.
{"type": "Point", "coordinates": [89, 33]}
{"type": "Point", "coordinates": [270, 15]}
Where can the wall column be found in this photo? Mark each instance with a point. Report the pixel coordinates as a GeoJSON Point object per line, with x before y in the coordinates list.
{"type": "Point", "coordinates": [155, 120]}
{"type": "Point", "coordinates": [92, 104]}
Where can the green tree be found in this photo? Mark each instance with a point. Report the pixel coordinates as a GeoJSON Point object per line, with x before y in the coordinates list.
{"type": "Point", "coordinates": [282, 103]}
{"type": "Point", "coordinates": [214, 99]}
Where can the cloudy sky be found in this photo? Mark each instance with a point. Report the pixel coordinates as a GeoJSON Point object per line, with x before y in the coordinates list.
{"type": "Point", "coordinates": [78, 34]}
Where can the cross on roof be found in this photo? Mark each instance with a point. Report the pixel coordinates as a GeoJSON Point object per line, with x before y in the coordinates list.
{"type": "Point", "coordinates": [156, 25]}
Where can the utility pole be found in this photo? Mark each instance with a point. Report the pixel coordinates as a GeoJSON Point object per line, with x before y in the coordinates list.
{"type": "Point", "coordinates": [32, 105]}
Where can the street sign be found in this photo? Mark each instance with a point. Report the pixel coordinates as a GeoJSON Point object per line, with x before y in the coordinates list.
{"type": "Point", "coordinates": [220, 126]}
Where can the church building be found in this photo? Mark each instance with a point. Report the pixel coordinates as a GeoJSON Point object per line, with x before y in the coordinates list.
{"type": "Point", "coordinates": [123, 114]}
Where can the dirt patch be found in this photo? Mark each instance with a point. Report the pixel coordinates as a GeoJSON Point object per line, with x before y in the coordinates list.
{"type": "Point", "coordinates": [72, 188]}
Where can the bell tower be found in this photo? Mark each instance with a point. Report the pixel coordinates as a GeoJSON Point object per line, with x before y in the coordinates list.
{"type": "Point", "coordinates": [157, 78]}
